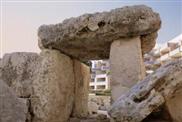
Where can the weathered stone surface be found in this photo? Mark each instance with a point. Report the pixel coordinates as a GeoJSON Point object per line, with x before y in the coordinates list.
{"type": "Point", "coordinates": [174, 106]}
{"type": "Point", "coordinates": [126, 63]}
{"type": "Point", "coordinates": [148, 42]}
{"type": "Point", "coordinates": [53, 86]}
{"type": "Point", "coordinates": [149, 94]}
{"type": "Point", "coordinates": [93, 107]}
{"type": "Point", "coordinates": [46, 79]}
{"type": "Point", "coordinates": [17, 70]}
{"type": "Point", "coordinates": [101, 103]}
{"type": "Point", "coordinates": [90, 119]}
{"type": "Point", "coordinates": [89, 36]}
{"type": "Point", "coordinates": [82, 80]}
{"type": "Point", "coordinates": [12, 108]}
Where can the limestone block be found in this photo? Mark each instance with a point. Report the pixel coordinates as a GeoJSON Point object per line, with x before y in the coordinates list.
{"type": "Point", "coordinates": [82, 80]}
{"type": "Point", "coordinates": [47, 80]}
{"type": "Point", "coordinates": [174, 106]}
{"type": "Point", "coordinates": [126, 63]}
{"type": "Point", "coordinates": [93, 107]}
{"type": "Point", "coordinates": [89, 36]}
{"type": "Point", "coordinates": [163, 86]}
{"type": "Point", "coordinates": [53, 87]}
{"type": "Point", "coordinates": [18, 70]}
{"type": "Point", "coordinates": [12, 108]}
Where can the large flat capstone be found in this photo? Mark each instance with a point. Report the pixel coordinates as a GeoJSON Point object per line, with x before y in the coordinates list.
{"type": "Point", "coordinates": [89, 36]}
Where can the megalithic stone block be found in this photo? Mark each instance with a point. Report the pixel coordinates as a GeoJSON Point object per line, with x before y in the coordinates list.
{"type": "Point", "coordinates": [46, 80]}
{"type": "Point", "coordinates": [82, 80]}
{"type": "Point", "coordinates": [53, 87]}
{"type": "Point", "coordinates": [127, 66]}
{"type": "Point", "coordinates": [154, 91]}
{"type": "Point", "coordinates": [174, 106]}
{"type": "Point", "coordinates": [88, 37]}
{"type": "Point", "coordinates": [12, 108]}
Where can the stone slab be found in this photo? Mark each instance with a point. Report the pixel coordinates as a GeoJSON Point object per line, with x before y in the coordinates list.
{"type": "Point", "coordinates": [126, 63]}
{"type": "Point", "coordinates": [82, 80]}
{"type": "Point", "coordinates": [88, 37]}
{"type": "Point", "coordinates": [47, 80]}
{"type": "Point", "coordinates": [12, 108]}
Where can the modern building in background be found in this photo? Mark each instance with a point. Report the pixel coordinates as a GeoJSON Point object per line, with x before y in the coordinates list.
{"type": "Point", "coordinates": [163, 53]}
{"type": "Point", "coordinates": [100, 75]}
{"type": "Point", "coordinates": [100, 70]}
{"type": "Point", "coordinates": [171, 50]}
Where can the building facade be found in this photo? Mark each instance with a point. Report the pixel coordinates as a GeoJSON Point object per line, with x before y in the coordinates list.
{"type": "Point", "coordinates": [100, 70]}
{"type": "Point", "coordinates": [161, 54]}
{"type": "Point", "coordinates": [100, 75]}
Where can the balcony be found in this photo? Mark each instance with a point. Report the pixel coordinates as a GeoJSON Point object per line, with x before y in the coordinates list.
{"type": "Point", "coordinates": [101, 75]}
{"type": "Point", "coordinates": [97, 83]}
{"type": "Point", "coordinates": [165, 57]}
{"type": "Point", "coordinates": [96, 68]}
{"type": "Point", "coordinates": [176, 53]}
{"type": "Point", "coordinates": [104, 68]}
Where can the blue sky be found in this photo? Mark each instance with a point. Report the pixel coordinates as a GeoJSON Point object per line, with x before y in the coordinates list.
{"type": "Point", "coordinates": [20, 20]}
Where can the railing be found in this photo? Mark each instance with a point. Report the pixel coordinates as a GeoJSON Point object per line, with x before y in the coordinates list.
{"type": "Point", "coordinates": [101, 75]}
{"type": "Point", "coordinates": [98, 83]}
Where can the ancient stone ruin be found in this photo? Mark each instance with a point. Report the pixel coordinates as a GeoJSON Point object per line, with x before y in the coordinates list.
{"type": "Point", "coordinates": [53, 86]}
{"type": "Point", "coordinates": [162, 87]}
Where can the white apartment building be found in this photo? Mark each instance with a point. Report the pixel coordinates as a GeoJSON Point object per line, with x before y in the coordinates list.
{"type": "Point", "coordinates": [171, 50]}
{"type": "Point", "coordinates": [100, 73]}
{"type": "Point", "coordinates": [164, 53]}
{"type": "Point", "coordinates": [100, 76]}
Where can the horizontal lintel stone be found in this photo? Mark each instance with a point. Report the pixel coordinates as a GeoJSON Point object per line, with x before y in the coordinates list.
{"type": "Point", "coordinates": [89, 36]}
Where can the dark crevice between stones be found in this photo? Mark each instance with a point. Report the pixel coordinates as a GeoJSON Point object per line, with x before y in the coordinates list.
{"type": "Point", "coordinates": [30, 113]}
{"type": "Point", "coordinates": [160, 114]}
{"type": "Point", "coordinates": [101, 24]}
{"type": "Point", "coordinates": [138, 100]}
{"type": "Point", "coordinates": [24, 97]}
{"type": "Point", "coordinates": [83, 30]}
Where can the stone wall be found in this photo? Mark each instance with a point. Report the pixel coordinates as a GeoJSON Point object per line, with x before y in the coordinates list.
{"type": "Point", "coordinates": [51, 83]}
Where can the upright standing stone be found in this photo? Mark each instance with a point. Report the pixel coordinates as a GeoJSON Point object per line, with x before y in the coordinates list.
{"type": "Point", "coordinates": [82, 80]}
{"type": "Point", "coordinates": [126, 64]}
{"type": "Point", "coordinates": [53, 86]}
